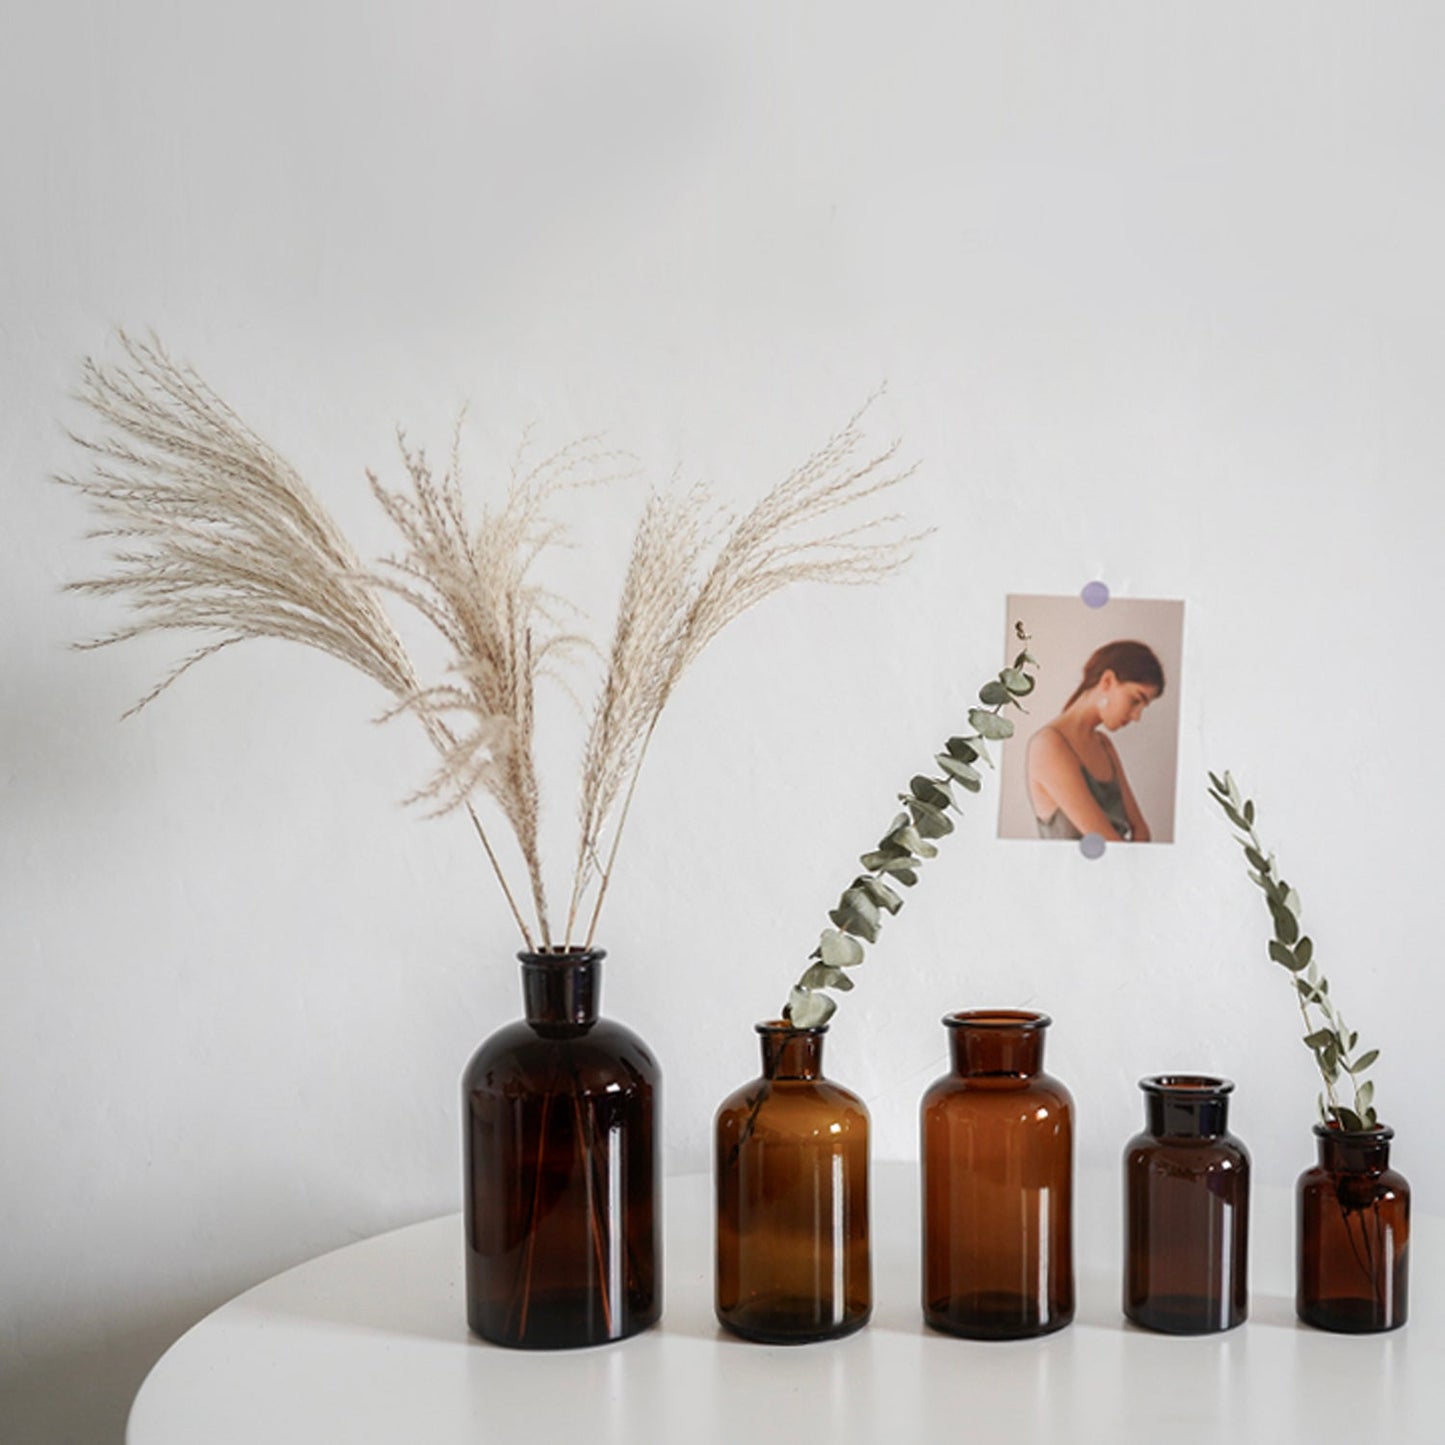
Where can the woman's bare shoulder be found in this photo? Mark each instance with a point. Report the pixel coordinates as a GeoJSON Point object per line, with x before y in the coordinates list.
{"type": "Point", "coordinates": [1049, 742]}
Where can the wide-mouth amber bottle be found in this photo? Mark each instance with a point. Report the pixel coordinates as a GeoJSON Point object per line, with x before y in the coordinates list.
{"type": "Point", "coordinates": [792, 1198]}
{"type": "Point", "coordinates": [1186, 1209]}
{"type": "Point", "coordinates": [997, 1183]}
{"type": "Point", "coordinates": [1354, 1235]}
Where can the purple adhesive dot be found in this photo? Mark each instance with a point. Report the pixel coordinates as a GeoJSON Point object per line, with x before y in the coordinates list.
{"type": "Point", "coordinates": [1092, 845]}
{"type": "Point", "coordinates": [1095, 594]}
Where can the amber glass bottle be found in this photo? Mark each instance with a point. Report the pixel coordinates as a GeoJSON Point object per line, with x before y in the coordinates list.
{"type": "Point", "coordinates": [997, 1183]}
{"type": "Point", "coordinates": [1354, 1235]}
{"type": "Point", "coordinates": [1186, 1209]}
{"type": "Point", "coordinates": [559, 1111]}
{"type": "Point", "coordinates": [792, 1199]}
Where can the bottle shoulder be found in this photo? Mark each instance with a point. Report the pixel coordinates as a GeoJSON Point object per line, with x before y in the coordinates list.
{"type": "Point", "coordinates": [1039, 1090]}
{"type": "Point", "coordinates": [793, 1106]}
{"type": "Point", "coordinates": [1219, 1153]}
{"type": "Point", "coordinates": [604, 1053]}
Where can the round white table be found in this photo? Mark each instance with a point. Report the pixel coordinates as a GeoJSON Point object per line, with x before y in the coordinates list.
{"type": "Point", "coordinates": [369, 1344]}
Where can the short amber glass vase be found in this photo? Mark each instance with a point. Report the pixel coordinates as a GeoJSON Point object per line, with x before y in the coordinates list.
{"type": "Point", "coordinates": [1354, 1235]}
{"type": "Point", "coordinates": [997, 1183]}
{"type": "Point", "coordinates": [562, 1213]}
{"type": "Point", "coordinates": [792, 1199]}
{"type": "Point", "coordinates": [1186, 1210]}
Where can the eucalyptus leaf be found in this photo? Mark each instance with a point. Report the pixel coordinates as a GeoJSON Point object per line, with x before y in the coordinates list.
{"type": "Point", "coordinates": [964, 749]}
{"type": "Point", "coordinates": [990, 725]}
{"type": "Point", "coordinates": [1319, 1038]}
{"type": "Point", "coordinates": [960, 773]}
{"type": "Point", "coordinates": [1234, 816]}
{"type": "Point", "coordinates": [1283, 955]}
{"type": "Point", "coordinates": [930, 790]}
{"type": "Point", "coordinates": [838, 950]}
{"type": "Point", "coordinates": [857, 901]}
{"type": "Point", "coordinates": [1285, 923]}
{"type": "Point", "coordinates": [1364, 1096]}
{"type": "Point", "coordinates": [880, 893]}
{"type": "Point", "coordinates": [854, 923]}
{"type": "Point", "coordinates": [1349, 1119]}
{"type": "Point", "coordinates": [809, 1010]}
{"type": "Point", "coordinates": [1304, 950]}
{"type": "Point", "coordinates": [821, 976]}
{"type": "Point", "coordinates": [930, 821]}
{"type": "Point", "coordinates": [1018, 682]}
{"type": "Point", "coordinates": [1365, 1060]}
{"type": "Point", "coordinates": [993, 694]}
{"type": "Point", "coordinates": [904, 869]}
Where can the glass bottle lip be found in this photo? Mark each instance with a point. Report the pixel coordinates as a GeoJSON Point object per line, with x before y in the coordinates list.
{"type": "Point", "coordinates": [1380, 1134]}
{"type": "Point", "coordinates": [1187, 1086]}
{"type": "Point", "coordinates": [996, 1018]}
{"type": "Point", "coordinates": [781, 1026]}
{"type": "Point", "coordinates": [560, 957]}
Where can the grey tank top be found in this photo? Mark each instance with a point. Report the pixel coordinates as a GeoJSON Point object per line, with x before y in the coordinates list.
{"type": "Point", "coordinates": [1108, 795]}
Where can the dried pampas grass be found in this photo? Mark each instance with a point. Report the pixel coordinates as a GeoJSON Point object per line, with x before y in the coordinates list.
{"type": "Point", "coordinates": [214, 534]}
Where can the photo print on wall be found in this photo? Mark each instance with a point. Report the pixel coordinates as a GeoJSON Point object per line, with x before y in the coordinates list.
{"type": "Point", "coordinates": [1096, 755]}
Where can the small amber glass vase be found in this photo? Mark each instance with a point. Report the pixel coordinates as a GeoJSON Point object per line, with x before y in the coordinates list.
{"type": "Point", "coordinates": [792, 1199]}
{"type": "Point", "coordinates": [560, 1138]}
{"type": "Point", "coordinates": [1186, 1210]}
{"type": "Point", "coordinates": [997, 1183]}
{"type": "Point", "coordinates": [1354, 1235]}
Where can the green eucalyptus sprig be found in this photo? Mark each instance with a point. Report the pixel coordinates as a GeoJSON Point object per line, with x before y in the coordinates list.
{"type": "Point", "coordinates": [907, 844]}
{"type": "Point", "coordinates": [1326, 1036]}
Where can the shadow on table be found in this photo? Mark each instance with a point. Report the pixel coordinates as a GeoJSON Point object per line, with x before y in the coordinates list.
{"type": "Point", "coordinates": [79, 1391]}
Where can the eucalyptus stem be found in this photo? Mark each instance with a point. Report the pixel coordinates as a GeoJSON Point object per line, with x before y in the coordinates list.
{"type": "Point", "coordinates": [907, 844]}
{"type": "Point", "coordinates": [1327, 1036]}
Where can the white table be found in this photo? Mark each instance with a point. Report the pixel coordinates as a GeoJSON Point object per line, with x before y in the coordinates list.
{"type": "Point", "coordinates": [369, 1344]}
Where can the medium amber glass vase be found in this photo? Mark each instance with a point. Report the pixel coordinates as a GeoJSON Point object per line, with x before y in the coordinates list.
{"type": "Point", "coordinates": [792, 1199]}
{"type": "Point", "coordinates": [1354, 1235]}
{"type": "Point", "coordinates": [562, 1212]}
{"type": "Point", "coordinates": [997, 1183]}
{"type": "Point", "coordinates": [1186, 1208]}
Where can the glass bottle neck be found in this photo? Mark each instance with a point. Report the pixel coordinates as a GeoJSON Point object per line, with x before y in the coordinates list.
{"type": "Point", "coordinates": [790, 1053]}
{"type": "Point", "coordinates": [561, 990]}
{"type": "Point", "coordinates": [1008, 1042]}
{"type": "Point", "coordinates": [1186, 1106]}
{"type": "Point", "coordinates": [1344, 1151]}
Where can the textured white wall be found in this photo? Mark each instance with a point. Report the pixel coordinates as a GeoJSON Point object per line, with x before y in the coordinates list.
{"type": "Point", "coordinates": [1156, 289]}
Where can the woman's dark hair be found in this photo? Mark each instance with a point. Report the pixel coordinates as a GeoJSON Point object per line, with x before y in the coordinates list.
{"type": "Point", "coordinates": [1128, 661]}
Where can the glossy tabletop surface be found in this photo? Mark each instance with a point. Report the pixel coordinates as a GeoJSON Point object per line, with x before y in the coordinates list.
{"type": "Point", "coordinates": [369, 1344]}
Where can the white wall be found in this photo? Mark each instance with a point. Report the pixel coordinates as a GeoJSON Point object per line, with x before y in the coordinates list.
{"type": "Point", "coordinates": [1156, 290]}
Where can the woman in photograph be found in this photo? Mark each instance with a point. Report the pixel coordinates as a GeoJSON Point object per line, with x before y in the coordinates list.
{"type": "Point", "coordinates": [1076, 781]}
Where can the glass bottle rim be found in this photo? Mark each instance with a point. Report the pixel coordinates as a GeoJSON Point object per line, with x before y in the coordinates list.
{"type": "Point", "coordinates": [1187, 1086]}
{"type": "Point", "coordinates": [1380, 1134]}
{"type": "Point", "coordinates": [996, 1018]}
{"type": "Point", "coordinates": [559, 957]}
{"type": "Point", "coordinates": [769, 1027]}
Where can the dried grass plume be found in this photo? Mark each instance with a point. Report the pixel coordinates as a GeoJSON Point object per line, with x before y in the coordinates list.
{"type": "Point", "coordinates": [214, 535]}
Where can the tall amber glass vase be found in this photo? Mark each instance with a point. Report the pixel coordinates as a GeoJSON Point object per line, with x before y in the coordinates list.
{"type": "Point", "coordinates": [1354, 1235]}
{"type": "Point", "coordinates": [1186, 1207]}
{"type": "Point", "coordinates": [792, 1199]}
{"type": "Point", "coordinates": [562, 1213]}
{"type": "Point", "coordinates": [997, 1183]}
